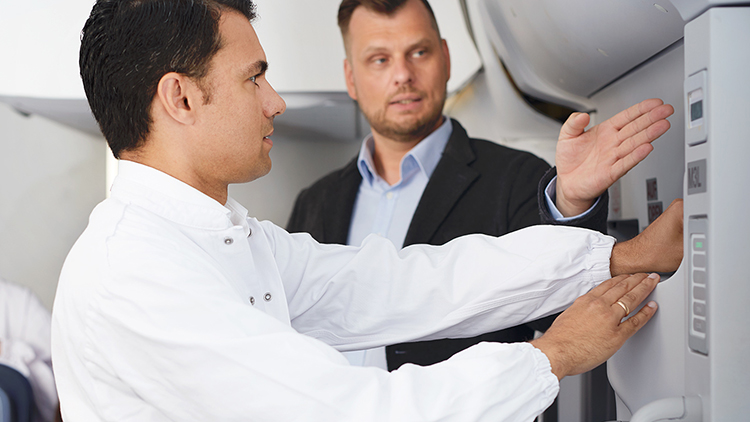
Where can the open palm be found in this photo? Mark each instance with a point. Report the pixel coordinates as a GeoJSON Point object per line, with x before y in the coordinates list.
{"type": "Point", "coordinates": [589, 162]}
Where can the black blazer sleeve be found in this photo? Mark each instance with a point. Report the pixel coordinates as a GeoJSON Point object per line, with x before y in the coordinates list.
{"type": "Point", "coordinates": [595, 220]}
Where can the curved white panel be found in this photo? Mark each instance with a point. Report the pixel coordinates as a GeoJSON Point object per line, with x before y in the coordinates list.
{"type": "Point", "coordinates": [566, 51]}
{"type": "Point", "coordinates": [491, 108]}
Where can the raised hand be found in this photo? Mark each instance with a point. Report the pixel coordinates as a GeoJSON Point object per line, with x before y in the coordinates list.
{"type": "Point", "coordinates": [589, 162]}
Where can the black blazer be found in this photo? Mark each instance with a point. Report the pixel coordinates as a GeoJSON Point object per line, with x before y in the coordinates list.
{"type": "Point", "coordinates": [477, 187]}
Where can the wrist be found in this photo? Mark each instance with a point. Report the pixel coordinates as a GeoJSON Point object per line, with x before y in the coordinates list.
{"type": "Point", "coordinates": [570, 207]}
{"type": "Point", "coordinates": [623, 258]}
{"type": "Point", "coordinates": [556, 362]}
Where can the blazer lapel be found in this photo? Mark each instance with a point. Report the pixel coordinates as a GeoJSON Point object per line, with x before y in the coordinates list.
{"type": "Point", "coordinates": [340, 204]}
{"type": "Point", "coordinates": [448, 182]}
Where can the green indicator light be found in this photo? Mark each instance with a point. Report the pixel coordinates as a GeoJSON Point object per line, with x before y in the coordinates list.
{"type": "Point", "coordinates": [699, 244]}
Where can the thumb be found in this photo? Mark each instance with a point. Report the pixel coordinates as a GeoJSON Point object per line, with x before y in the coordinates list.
{"type": "Point", "coordinates": [575, 125]}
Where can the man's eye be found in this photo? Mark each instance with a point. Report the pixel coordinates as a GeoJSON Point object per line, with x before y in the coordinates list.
{"type": "Point", "coordinates": [253, 79]}
{"type": "Point", "coordinates": [419, 53]}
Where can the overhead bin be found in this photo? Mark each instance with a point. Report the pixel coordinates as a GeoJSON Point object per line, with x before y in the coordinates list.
{"type": "Point", "coordinates": [301, 39]}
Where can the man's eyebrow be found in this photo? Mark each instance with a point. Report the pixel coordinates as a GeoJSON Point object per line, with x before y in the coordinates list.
{"type": "Point", "coordinates": [257, 68]}
{"type": "Point", "coordinates": [374, 49]}
{"type": "Point", "coordinates": [424, 42]}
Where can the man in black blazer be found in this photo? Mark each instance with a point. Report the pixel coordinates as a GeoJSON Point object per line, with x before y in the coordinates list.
{"type": "Point", "coordinates": [397, 68]}
{"type": "Point", "coordinates": [477, 187]}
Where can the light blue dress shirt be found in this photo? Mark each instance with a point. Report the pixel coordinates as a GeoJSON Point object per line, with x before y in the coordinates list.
{"type": "Point", "coordinates": [387, 210]}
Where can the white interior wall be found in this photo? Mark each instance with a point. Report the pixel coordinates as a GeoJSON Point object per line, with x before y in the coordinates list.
{"type": "Point", "coordinates": [51, 177]}
{"type": "Point", "coordinates": [659, 78]}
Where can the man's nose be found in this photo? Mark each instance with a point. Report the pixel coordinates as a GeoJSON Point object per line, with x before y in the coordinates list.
{"type": "Point", "coordinates": [275, 105]}
{"type": "Point", "coordinates": [403, 73]}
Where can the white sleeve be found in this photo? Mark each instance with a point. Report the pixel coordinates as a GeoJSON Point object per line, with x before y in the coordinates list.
{"type": "Point", "coordinates": [201, 354]}
{"type": "Point", "coordinates": [26, 345]}
{"type": "Point", "coordinates": [362, 297]}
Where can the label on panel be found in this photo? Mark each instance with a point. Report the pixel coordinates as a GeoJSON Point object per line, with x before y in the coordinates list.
{"type": "Point", "coordinates": [697, 176]}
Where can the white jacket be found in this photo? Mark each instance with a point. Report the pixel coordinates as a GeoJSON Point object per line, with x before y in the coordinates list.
{"type": "Point", "coordinates": [173, 307]}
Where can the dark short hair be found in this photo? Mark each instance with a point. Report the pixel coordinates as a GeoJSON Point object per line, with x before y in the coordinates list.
{"type": "Point", "coordinates": [384, 7]}
{"type": "Point", "coordinates": [128, 45]}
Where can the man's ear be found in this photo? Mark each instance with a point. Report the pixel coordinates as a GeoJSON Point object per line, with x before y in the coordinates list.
{"type": "Point", "coordinates": [349, 76]}
{"type": "Point", "coordinates": [447, 55]}
{"type": "Point", "coordinates": [178, 96]}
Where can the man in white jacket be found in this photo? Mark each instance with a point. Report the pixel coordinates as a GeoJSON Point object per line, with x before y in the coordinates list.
{"type": "Point", "coordinates": [175, 305]}
{"type": "Point", "coordinates": [25, 344]}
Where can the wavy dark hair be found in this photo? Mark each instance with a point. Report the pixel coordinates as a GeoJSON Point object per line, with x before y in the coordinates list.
{"type": "Point", "coordinates": [128, 45]}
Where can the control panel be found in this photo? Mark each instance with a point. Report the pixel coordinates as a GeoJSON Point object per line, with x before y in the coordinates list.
{"type": "Point", "coordinates": [698, 284]}
{"type": "Point", "coordinates": [696, 172]}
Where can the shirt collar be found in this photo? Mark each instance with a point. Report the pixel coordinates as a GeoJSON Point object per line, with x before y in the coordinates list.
{"type": "Point", "coordinates": [426, 153]}
{"type": "Point", "coordinates": [173, 199]}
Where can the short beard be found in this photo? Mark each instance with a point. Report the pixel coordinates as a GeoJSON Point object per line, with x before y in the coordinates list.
{"type": "Point", "coordinates": [405, 132]}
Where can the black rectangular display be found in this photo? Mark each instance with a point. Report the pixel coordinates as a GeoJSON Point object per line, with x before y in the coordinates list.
{"type": "Point", "coordinates": [696, 110]}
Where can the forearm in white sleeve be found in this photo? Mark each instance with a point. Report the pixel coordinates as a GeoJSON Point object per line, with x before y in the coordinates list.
{"type": "Point", "coordinates": [362, 297]}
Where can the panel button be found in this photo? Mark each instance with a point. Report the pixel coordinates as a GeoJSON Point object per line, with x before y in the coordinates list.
{"type": "Point", "coordinates": [699, 277]}
{"type": "Point", "coordinates": [699, 260]}
{"type": "Point", "coordinates": [699, 293]}
{"type": "Point", "coordinates": [699, 243]}
{"type": "Point", "coordinates": [699, 309]}
{"type": "Point", "coordinates": [699, 325]}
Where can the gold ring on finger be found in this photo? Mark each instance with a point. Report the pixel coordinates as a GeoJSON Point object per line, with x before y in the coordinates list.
{"type": "Point", "coordinates": [624, 307]}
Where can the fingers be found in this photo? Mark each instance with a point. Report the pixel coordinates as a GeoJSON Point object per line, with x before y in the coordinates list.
{"type": "Point", "coordinates": [643, 131]}
{"type": "Point", "coordinates": [636, 137]}
{"type": "Point", "coordinates": [630, 159]}
{"type": "Point", "coordinates": [650, 123]}
{"type": "Point", "coordinates": [626, 284]}
{"type": "Point", "coordinates": [630, 292]}
{"type": "Point", "coordinates": [606, 285]}
{"type": "Point", "coordinates": [638, 126]}
{"type": "Point", "coordinates": [637, 321]}
{"type": "Point", "coordinates": [623, 118]}
{"type": "Point", "coordinates": [575, 125]}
